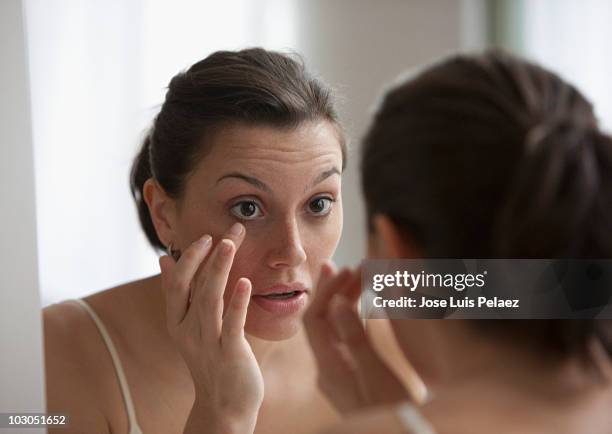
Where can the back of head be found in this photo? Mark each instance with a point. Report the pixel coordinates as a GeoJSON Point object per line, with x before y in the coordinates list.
{"type": "Point", "coordinates": [490, 156]}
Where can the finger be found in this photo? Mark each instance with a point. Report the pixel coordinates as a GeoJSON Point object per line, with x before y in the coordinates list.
{"type": "Point", "coordinates": [350, 329]}
{"type": "Point", "coordinates": [329, 270]}
{"type": "Point", "coordinates": [236, 312]}
{"type": "Point", "coordinates": [209, 296]}
{"type": "Point", "coordinates": [352, 290]}
{"type": "Point", "coordinates": [166, 266]}
{"type": "Point", "coordinates": [372, 371]}
{"type": "Point", "coordinates": [236, 233]}
{"type": "Point", "coordinates": [325, 290]}
{"type": "Point", "coordinates": [320, 331]}
{"type": "Point", "coordinates": [177, 276]}
{"type": "Point", "coordinates": [191, 260]}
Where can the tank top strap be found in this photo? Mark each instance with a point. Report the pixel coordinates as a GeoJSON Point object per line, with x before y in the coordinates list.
{"type": "Point", "coordinates": [412, 419]}
{"type": "Point", "coordinates": [134, 428]}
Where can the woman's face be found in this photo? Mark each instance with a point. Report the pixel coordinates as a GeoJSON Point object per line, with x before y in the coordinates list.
{"type": "Point", "coordinates": [284, 186]}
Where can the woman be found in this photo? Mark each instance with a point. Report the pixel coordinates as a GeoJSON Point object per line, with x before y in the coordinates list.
{"type": "Point", "coordinates": [484, 156]}
{"type": "Point", "coordinates": [240, 179]}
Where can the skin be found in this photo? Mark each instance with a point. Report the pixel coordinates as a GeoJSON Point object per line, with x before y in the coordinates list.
{"type": "Point", "coordinates": [287, 243]}
{"type": "Point", "coordinates": [478, 385]}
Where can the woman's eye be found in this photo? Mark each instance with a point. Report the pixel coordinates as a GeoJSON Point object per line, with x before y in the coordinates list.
{"type": "Point", "coordinates": [246, 210]}
{"type": "Point", "coordinates": [321, 205]}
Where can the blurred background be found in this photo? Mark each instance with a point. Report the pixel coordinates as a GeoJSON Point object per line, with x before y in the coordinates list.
{"type": "Point", "coordinates": [98, 72]}
{"type": "Point", "coordinates": [82, 79]}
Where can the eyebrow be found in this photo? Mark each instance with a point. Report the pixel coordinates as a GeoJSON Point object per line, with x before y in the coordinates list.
{"type": "Point", "coordinates": [263, 186]}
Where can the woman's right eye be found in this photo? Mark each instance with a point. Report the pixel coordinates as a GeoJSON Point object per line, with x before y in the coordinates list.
{"type": "Point", "coordinates": [246, 210]}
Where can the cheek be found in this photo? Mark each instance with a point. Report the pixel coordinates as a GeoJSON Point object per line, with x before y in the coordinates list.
{"type": "Point", "coordinates": [244, 265]}
{"type": "Point", "coordinates": [325, 241]}
{"type": "Point", "coordinates": [322, 245]}
{"type": "Point", "coordinates": [197, 221]}
{"type": "Point", "coordinates": [328, 237]}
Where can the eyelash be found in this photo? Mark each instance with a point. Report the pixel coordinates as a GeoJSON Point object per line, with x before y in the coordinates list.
{"type": "Point", "coordinates": [316, 215]}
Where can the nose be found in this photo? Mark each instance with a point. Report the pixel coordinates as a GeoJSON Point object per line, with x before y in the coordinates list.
{"type": "Point", "coordinates": [287, 249]}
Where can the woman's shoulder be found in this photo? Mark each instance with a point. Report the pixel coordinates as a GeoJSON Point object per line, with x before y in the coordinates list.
{"type": "Point", "coordinates": [70, 327]}
{"type": "Point", "coordinates": [72, 374]}
{"type": "Point", "coordinates": [78, 370]}
{"type": "Point", "coordinates": [110, 304]}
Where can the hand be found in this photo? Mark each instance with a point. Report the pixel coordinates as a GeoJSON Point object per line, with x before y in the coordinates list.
{"type": "Point", "coordinates": [228, 382]}
{"type": "Point", "coordinates": [351, 373]}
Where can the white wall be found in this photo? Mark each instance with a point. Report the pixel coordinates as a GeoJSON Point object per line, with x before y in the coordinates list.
{"type": "Point", "coordinates": [21, 367]}
{"type": "Point", "coordinates": [99, 71]}
{"type": "Point", "coordinates": [572, 38]}
{"type": "Point", "coordinates": [359, 46]}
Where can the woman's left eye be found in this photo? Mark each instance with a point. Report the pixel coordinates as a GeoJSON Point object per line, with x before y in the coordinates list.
{"type": "Point", "coordinates": [321, 205]}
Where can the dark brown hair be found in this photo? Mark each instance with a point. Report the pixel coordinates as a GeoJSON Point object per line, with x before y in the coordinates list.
{"type": "Point", "coordinates": [251, 86]}
{"type": "Point", "coordinates": [490, 156]}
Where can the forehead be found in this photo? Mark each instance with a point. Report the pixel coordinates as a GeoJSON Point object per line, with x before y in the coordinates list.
{"type": "Point", "coordinates": [268, 149]}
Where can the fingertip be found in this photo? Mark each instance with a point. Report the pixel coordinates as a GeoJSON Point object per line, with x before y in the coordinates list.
{"type": "Point", "coordinates": [332, 265]}
{"type": "Point", "coordinates": [242, 293]}
{"type": "Point", "coordinates": [163, 263]}
{"type": "Point", "coordinates": [345, 273]}
{"type": "Point", "coordinates": [326, 270]}
{"type": "Point", "coordinates": [225, 248]}
{"type": "Point", "coordinates": [244, 285]}
{"type": "Point", "coordinates": [237, 229]}
{"type": "Point", "coordinates": [236, 233]}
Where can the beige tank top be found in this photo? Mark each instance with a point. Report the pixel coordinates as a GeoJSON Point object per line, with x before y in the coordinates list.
{"type": "Point", "coordinates": [134, 428]}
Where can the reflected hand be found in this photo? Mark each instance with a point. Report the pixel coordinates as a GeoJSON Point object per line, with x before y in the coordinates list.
{"type": "Point", "coordinates": [351, 373]}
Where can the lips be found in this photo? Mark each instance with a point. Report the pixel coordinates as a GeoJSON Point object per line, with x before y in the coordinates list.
{"type": "Point", "coordinates": [280, 289]}
{"type": "Point", "coordinates": [282, 299]}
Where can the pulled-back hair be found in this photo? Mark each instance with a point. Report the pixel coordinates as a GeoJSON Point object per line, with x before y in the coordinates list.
{"type": "Point", "coordinates": [491, 156]}
{"type": "Point", "coordinates": [251, 86]}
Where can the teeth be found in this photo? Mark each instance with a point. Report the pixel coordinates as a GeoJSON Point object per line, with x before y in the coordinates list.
{"type": "Point", "coordinates": [281, 296]}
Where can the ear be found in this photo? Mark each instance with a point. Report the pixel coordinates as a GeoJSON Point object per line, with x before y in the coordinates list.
{"type": "Point", "coordinates": [387, 240]}
{"type": "Point", "coordinates": [162, 210]}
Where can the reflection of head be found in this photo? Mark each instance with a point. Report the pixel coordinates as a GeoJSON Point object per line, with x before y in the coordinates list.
{"type": "Point", "coordinates": [489, 156]}
{"type": "Point", "coordinates": [252, 86]}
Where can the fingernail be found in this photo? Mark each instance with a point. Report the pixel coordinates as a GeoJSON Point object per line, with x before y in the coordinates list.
{"type": "Point", "coordinates": [204, 241]}
{"type": "Point", "coordinates": [236, 229]}
{"type": "Point", "coordinates": [226, 246]}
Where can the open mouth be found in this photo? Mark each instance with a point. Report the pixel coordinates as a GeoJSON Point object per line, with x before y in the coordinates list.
{"type": "Point", "coordinates": [282, 302]}
{"type": "Point", "coordinates": [280, 295]}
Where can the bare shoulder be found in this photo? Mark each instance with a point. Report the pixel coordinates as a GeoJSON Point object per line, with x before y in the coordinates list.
{"type": "Point", "coordinates": [81, 380]}
{"type": "Point", "coordinates": [71, 372]}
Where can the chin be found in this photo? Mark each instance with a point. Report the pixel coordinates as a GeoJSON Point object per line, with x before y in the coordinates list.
{"type": "Point", "coordinates": [272, 327]}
